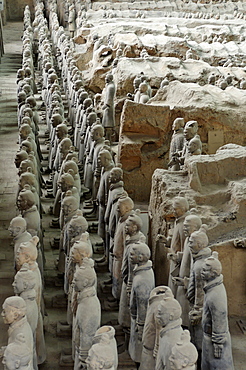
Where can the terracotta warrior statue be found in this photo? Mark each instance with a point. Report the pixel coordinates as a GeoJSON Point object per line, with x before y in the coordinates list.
{"type": "Point", "coordinates": [125, 208]}
{"type": "Point", "coordinates": [107, 332]}
{"type": "Point", "coordinates": [108, 121]}
{"type": "Point", "coordinates": [17, 229]}
{"type": "Point", "coordinates": [14, 315]}
{"type": "Point", "coordinates": [177, 142]}
{"type": "Point", "coordinates": [184, 354]}
{"type": "Point", "coordinates": [27, 253]}
{"type": "Point", "coordinates": [81, 249]}
{"type": "Point", "coordinates": [216, 345]}
{"type": "Point", "coordinates": [176, 242]}
{"type": "Point", "coordinates": [134, 235]}
{"type": "Point", "coordinates": [142, 285]}
{"type": "Point", "coordinates": [88, 315]}
{"type": "Point", "coordinates": [191, 223]}
{"type": "Point", "coordinates": [116, 190]}
{"type": "Point", "coordinates": [151, 332]}
{"type": "Point", "coordinates": [168, 317]}
{"type": "Point", "coordinates": [198, 244]}
{"type": "Point", "coordinates": [100, 356]}
{"type": "Point", "coordinates": [107, 164]}
{"type": "Point", "coordinates": [23, 285]}
{"type": "Point", "coordinates": [18, 355]}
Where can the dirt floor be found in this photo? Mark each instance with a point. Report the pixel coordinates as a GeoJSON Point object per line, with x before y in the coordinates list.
{"type": "Point", "coordinates": [54, 298]}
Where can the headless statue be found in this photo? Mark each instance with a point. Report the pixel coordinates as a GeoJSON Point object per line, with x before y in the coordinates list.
{"type": "Point", "coordinates": [184, 354]}
{"type": "Point", "coordinates": [18, 355]}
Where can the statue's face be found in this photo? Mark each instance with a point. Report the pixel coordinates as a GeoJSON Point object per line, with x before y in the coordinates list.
{"type": "Point", "coordinates": [22, 203]}
{"type": "Point", "coordinates": [59, 132]}
{"type": "Point", "coordinates": [189, 227]}
{"type": "Point", "coordinates": [96, 134]}
{"type": "Point", "coordinates": [193, 244]}
{"type": "Point", "coordinates": [130, 227]}
{"type": "Point", "coordinates": [21, 258]}
{"type": "Point", "coordinates": [134, 257]}
{"type": "Point", "coordinates": [162, 316]}
{"type": "Point", "coordinates": [68, 207]}
{"type": "Point", "coordinates": [189, 131]}
{"type": "Point", "coordinates": [8, 314]}
{"type": "Point", "coordinates": [114, 176]}
{"type": "Point", "coordinates": [178, 209]}
{"type": "Point", "coordinates": [207, 273]}
{"type": "Point", "coordinates": [75, 255]}
{"type": "Point", "coordinates": [73, 229]}
{"type": "Point", "coordinates": [14, 230]}
{"type": "Point", "coordinates": [18, 285]}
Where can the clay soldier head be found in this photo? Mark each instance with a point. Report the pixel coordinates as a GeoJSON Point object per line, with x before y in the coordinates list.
{"type": "Point", "coordinates": [139, 254]}
{"type": "Point", "coordinates": [116, 175]}
{"type": "Point", "coordinates": [61, 130]}
{"type": "Point", "coordinates": [21, 97]}
{"type": "Point", "coordinates": [26, 165]}
{"type": "Point", "coordinates": [71, 165]}
{"type": "Point", "coordinates": [17, 355]}
{"type": "Point", "coordinates": [105, 158]}
{"type": "Point", "coordinates": [56, 119]}
{"type": "Point", "coordinates": [85, 275]}
{"type": "Point", "coordinates": [191, 224]}
{"type": "Point", "coordinates": [180, 206]}
{"type": "Point", "coordinates": [27, 146]}
{"type": "Point", "coordinates": [27, 252]}
{"type": "Point", "coordinates": [211, 267]}
{"type": "Point", "coordinates": [78, 224]}
{"type": "Point", "coordinates": [109, 78]}
{"type": "Point", "coordinates": [31, 101]}
{"type": "Point", "coordinates": [24, 131]}
{"type": "Point", "coordinates": [25, 200]}
{"type": "Point", "coordinates": [65, 145]}
{"type": "Point", "coordinates": [14, 309]}
{"type": "Point", "coordinates": [24, 280]}
{"type": "Point", "coordinates": [69, 203]}
{"type": "Point", "coordinates": [125, 205]}
{"type": "Point", "coordinates": [81, 249]}
{"type": "Point", "coordinates": [190, 130]}
{"type": "Point", "coordinates": [133, 224]}
{"type": "Point", "coordinates": [21, 155]}
{"type": "Point", "coordinates": [178, 124]}
{"type": "Point", "coordinates": [66, 182]}
{"type": "Point", "coordinates": [17, 226]}
{"type": "Point", "coordinates": [198, 240]}
{"type": "Point", "coordinates": [184, 354]}
{"type": "Point", "coordinates": [97, 132]}
{"type": "Point", "coordinates": [195, 145]}
{"type": "Point", "coordinates": [168, 310]}
{"type": "Point", "coordinates": [91, 118]}
{"type": "Point", "coordinates": [28, 178]}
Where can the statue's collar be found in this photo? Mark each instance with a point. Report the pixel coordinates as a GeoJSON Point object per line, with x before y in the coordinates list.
{"type": "Point", "coordinates": [170, 326]}
{"type": "Point", "coordinates": [211, 284]}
